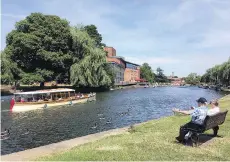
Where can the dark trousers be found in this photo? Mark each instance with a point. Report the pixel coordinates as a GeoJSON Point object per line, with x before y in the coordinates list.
{"type": "Point", "coordinates": [185, 129]}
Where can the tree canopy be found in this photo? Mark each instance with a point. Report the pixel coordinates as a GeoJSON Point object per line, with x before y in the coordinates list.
{"type": "Point", "coordinates": [146, 73]}
{"type": "Point", "coordinates": [160, 76]}
{"type": "Point", "coordinates": [219, 74]}
{"type": "Point", "coordinates": [9, 70]}
{"type": "Point", "coordinates": [94, 34]}
{"type": "Point", "coordinates": [46, 48]}
{"type": "Point", "coordinates": [193, 79]}
{"type": "Point", "coordinates": [40, 46]}
{"type": "Point", "coordinates": [90, 70]}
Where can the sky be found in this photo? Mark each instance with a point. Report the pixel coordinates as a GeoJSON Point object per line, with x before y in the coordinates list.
{"type": "Point", "coordinates": [180, 36]}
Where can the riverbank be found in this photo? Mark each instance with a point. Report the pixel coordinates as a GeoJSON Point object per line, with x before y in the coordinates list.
{"type": "Point", "coordinates": [153, 140]}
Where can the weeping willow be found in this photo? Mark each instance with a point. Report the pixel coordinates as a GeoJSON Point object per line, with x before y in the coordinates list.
{"type": "Point", "coordinates": [89, 69]}
{"type": "Point", "coordinates": [219, 74]}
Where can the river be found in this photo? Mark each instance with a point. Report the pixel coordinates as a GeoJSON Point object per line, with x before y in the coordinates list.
{"type": "Point", "coordinates": [113, 109]}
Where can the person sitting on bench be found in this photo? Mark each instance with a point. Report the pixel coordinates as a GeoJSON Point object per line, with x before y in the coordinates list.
{"type": "Point", "coordinates": [198, 115]}
{"type": "Point", "coordinates": [214, 108]}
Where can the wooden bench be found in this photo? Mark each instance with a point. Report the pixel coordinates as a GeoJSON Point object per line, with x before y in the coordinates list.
{"type": "Point", "coordinates": [210, 122]}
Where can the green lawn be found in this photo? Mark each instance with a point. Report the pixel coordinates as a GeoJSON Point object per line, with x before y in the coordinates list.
{"type": "Point", "coordinates": [154, 140]}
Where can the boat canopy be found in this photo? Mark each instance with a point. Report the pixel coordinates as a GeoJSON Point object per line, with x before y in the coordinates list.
{"type": "Point", "coordinates": [45, 91]}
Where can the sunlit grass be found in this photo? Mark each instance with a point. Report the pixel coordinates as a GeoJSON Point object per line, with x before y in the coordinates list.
{"type": "Point", "coordinates": [154, 140]}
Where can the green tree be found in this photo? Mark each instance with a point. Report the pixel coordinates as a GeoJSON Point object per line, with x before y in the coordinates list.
{"type": "Point", "coordinates": [40, 46]}
{"type": "Point", "coordinates": [160, 72]}
{"type": "Point", "coordinates": [95, 35]}
{"type": "Point", "coordinates": [146, 73]}
{"type": "Point", "coordinates": [160, 77]}
{"type": "Point", "coordinates": [9, 70]}
{"type": "Point", "coordinates": [219, 74]}
{"type": "Point", "coordinates": [90, 70]}
{"type": "Point", "coordinates": [193, 79]}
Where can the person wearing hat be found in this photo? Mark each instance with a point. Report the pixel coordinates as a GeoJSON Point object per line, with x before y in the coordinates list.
{"type": "Point", "coordinates": [198, 115]}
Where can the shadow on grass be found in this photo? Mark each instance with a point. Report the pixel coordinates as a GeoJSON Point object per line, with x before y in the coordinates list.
{"type": "Point", "coordinates": [204, 139]}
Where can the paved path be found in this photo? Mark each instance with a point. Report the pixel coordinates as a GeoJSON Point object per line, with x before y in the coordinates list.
{"type": "Point", "coordinates": [34, 153]}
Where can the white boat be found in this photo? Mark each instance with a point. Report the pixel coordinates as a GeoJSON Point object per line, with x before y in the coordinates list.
{"type": "Point", "coordinates": [146, 86]}
{"type": "Point", "coordinates": [42, 99]}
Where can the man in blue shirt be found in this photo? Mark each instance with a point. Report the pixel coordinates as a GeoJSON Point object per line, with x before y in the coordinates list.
{"type": "Point", "coordinates": [198, 115]}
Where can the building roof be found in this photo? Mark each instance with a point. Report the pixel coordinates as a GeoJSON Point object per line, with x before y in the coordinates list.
{"type": "Point", "coordinates": [46, 91]}
{"type": "Point", "coordinates": [131, 63]}
{"type": "Point", "coordinates": [119, 57]}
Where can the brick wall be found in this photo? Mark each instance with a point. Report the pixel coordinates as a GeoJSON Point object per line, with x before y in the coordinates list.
{"type": "Point", "coordinates": [130, 75]}
{"type": "Point", "coordinates": [111, 51]}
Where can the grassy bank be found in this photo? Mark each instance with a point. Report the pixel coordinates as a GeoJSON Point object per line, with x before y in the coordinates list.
{"type": "Point", "coordinates": [154, 140]}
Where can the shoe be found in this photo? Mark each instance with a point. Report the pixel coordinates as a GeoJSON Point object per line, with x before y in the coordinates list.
{"type": "Point", "coordinates": [179, 139]}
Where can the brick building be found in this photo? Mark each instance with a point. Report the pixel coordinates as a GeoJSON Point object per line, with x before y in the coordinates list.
{"type": "Point", "coordinates": [132, 72]}
{"type": "Point", "coordinates": [176, 81]}
{"type": "Point", "coordinates": [125, 71]}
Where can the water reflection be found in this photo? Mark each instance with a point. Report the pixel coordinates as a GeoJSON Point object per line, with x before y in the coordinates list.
{"type": "Point", "coordinates": [111, 110]}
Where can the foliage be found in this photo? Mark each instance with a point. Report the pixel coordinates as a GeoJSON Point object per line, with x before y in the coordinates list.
{"type": "Point", "coordinates": [95, 35]}
{"type": "Point", "coordinates": [41, 43]}
{"type": "Point", "coordinates": [90, 70]}
{"type": "Point", "coordinates": [193, 79]}
{"type": "Point", "coordinates": [45, 48]}
{"type": "Point", "coordinates": [219, 74]}
{"type": "Point", "coordinates": [160, 77]}
{"type": "Point", "coordinates": [146, 73]}
{"type": "Point", "coordinates": [9, 70]}
{"type": "Point", "coordinates": [30, 78]}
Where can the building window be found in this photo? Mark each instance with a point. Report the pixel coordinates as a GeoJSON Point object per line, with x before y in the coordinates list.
{"type": "Point", "coordinates": [131, 66]}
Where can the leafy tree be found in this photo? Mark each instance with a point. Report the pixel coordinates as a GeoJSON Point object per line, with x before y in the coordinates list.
{"type": "Point", "coordinates": [111, 71]}
{"type": "Point", "coordinates": [159, 71]}
{"type": "Point", "coordinates": [219, 74]}
{"type": "Point", "coordinates": [40, 46]}
{"type": "Point", "coordinates": [146, 73]}
{"type": "Point", "coordinates": [9, 71]}
{"type": "Point", "coordinates": [90, 70]}
{"type": "Point", "coordinates": [160, 77]}
{"type": "Point", "coordinates": [45, 48]}
{"type": "Point", "coordinates": [193, 79]}
{"type": "Point", "coordinates": [94, 34]}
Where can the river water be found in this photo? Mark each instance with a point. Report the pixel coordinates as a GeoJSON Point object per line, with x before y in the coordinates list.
{"type": "Point", "coordinates": [113, 109]}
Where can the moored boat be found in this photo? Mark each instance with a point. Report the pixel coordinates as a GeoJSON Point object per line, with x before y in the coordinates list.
{"type": "Point", "coordinates": [146, 86]}
{"type": "Point", "coordinates": [42, 99]}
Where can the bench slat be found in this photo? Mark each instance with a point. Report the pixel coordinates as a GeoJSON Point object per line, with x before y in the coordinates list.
{"type": "Point", "coordinates": [215, 120]}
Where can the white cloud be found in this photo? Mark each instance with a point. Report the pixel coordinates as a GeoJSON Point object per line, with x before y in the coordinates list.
{"type": "Point", "coordinates": [182, 15]}
{"type": "Point", "coordinates": [216, 38]}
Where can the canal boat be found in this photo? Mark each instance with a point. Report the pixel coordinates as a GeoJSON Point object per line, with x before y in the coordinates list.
{"type": "Point", "coordinates": [42, 99]}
